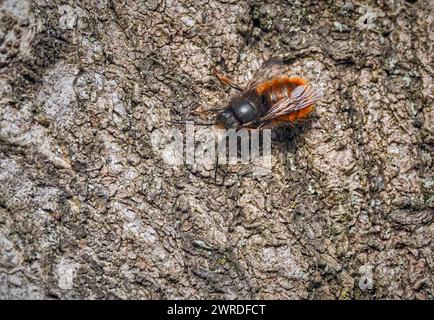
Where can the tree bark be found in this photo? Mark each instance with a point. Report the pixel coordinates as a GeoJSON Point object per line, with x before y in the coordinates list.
{"type": "Point", "coordinates": [90, 209]}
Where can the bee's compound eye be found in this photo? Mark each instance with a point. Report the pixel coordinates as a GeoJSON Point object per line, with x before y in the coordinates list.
{"type": "Point", "coordinates": [228, 119]}
{"type": "Point", "coordinates": [245, 111]}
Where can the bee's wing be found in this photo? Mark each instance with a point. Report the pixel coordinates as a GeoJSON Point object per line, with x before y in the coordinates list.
{"type": "Point", "coordinates": [269, 69]}
{"type": "Point", "coordinates": [300, 97]}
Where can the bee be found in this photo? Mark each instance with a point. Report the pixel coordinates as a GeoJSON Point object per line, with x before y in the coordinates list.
{"type": "Point", "coordinates": [270, 98]}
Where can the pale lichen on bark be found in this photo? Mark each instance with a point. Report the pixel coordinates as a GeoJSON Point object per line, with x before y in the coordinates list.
{"type": "Point", "coordinates": [89, 209]}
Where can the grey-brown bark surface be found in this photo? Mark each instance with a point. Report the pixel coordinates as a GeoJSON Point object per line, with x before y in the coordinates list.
{"type": "Point", "coordinates": [88, 208]}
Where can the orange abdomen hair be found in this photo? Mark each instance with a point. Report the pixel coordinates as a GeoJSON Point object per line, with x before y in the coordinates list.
{"type": "Point", "coordinates": [295, 116]}
{"type": "Point", "coordinates": [280, 88]}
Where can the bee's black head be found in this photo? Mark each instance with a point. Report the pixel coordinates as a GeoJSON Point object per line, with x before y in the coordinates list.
{"type": "Point", "coordinates": [239, 112]}
{"type": "Point", "coordinates": [228, 120]}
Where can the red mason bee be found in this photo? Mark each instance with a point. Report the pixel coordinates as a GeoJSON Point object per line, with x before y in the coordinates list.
{"type": "Point", "coordinates": [270, 98]}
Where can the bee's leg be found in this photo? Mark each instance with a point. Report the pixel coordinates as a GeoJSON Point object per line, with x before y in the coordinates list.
{"type": "Point", "coordinates": [226, 81]}
{"type": "Point", "coordinates": [215, 173]}
{"type": "Point", "coordinates": [223, 176]}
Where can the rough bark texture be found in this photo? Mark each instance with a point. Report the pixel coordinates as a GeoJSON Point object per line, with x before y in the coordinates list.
{"type": "Point", "coordinates": [88, 208]}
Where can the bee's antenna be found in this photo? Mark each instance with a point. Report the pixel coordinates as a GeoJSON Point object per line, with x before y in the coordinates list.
{"type": "Point", "coordinates": [216, 109]}
{"type": "Point", "coordinates": [195, 123]}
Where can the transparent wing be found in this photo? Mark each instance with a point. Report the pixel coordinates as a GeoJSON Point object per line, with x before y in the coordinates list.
{"type": "Point", "coordinates": [269, 69]}
{"type": "Point", "coordinates": [300, 97]}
